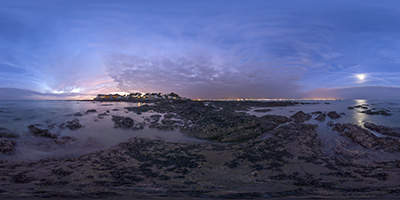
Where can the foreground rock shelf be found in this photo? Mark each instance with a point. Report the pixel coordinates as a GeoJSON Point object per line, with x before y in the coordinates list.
{"type": "Point", "coordinates": [234, 162]}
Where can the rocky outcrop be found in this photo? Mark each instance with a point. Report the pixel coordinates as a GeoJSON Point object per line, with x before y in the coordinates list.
{"type": "Point", "coordinates": [321, 117]}
{"type": "Point", "coordinates": [41, 132]}
{"type": "Point", "coordinates": [126, 123]}
{"type": "Point", "coordinates": [382, 129]}
{"type": "Point", "coordinates": [334, 115]}
{"type": "Point", "coordinates": [300, 117]}
{"type": "Point", "coordinates": [72, 125]}
{"type": "Point", "coordinates": [7, 145]}
{"type": "Point", "coordinates": [365, 138]}
{"type": "Point", "coordinates": [376, 111]}
{"type": "Point", "coordinates": [276, 119]}
{"type": "Point", "coordinates": [8, 135]}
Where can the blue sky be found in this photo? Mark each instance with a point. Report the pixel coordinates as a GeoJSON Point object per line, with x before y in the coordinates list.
{"type": "Point", "coordinates": [199, 49]}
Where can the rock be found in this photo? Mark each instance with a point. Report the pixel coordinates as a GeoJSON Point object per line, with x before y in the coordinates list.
{"type": "Point", "coordinates": [91, 111]}
{"type": "Point", "coordinates": [330, 123]}
{"type": "Point", "coordinates": [8, 135]}
{"type": "Point", "coordinates": [351, 108]}
{"type": "Point", "coordinates": [262, 110]}
{"type": "Point", "coordinates": [300, 117]}
{"type": "Point", "coordinates": [375, 111]}
{"type": "Point", "coordinates": [169, 116]}
{"type": "Point", "coordinates": [78, 114]}
{"type": "Point", "coordinates": [122, 122]}
{"type": "Point", "coordinates": [367, 139]}
{"type": "Point", "coordinates": [153, 118]}
{"type": "Point", "coordinates": [6, 146]}
{"type": "Point", "coordinates": [64, 140]}
{"type": "Point", "coordinates": [276, 118]}
{"type": "Point", "coordinates": [73, 124]}
{"type": "Point", "coordinates": [334, 115]}
{"type": "Point", "coordinates": [321, 117]}
{"type": "Point", "coordinates": [40, 132]}
{"type": "Point", "coordinates": [102, 115]}
{"type": "Point", "coordinates": [381, 129]}
{"type": "Point", "coordinates": [169, 121]}
{"type": "Point", "coordinates": [114, 109]}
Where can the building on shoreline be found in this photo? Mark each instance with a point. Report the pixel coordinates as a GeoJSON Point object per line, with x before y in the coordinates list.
{"type": "Point", "coordinates": [138, 97]}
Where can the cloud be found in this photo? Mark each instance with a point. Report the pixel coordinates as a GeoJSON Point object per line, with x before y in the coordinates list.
{"type": "Point", "coordinates": [23, 94]}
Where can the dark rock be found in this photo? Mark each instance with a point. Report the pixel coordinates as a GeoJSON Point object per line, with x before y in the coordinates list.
{"type": "Point", "coordinates": [106, 104]}
{"type": "Point", "coordinates": [351, 108]}
{"type": "Point", "coordinates": [153, 118]}
{"type": "Point", "coordinates": [375, 111]}
{"type": "Point", "coordinates": [367, 139]}
{"type": "Point", "coordinates": [102, 115]}
{"type": "Point", "coordinates": [40, 132]}
{"type": "Point", "coordinates": [276, 118]}
{"type": "Point", "coordinates": [91, 111]}
{"type": "Point", "coordinates": [122, 122]}
{"type": "Point", "coordinates": [334, 115]}
{"type": "Point", "coordinates": [263, 110]}
{"type": "Point", "coordinates": [78, 114]}
{"type": "Point", "coordinates": [169, 121]}
{"type": "Point", "coordinates": [321, 117]}
{"type": "Point", "coordinates": [169, 116]}
{"type": "Point", "coordinates": [21, 178]}
{"type": "Point", "coordinates": [64, 140]}
{"type": "Point", "coordinates": [8, 135]}
{"type": "Point", "coordinates": [300, 117]}
{"type": "Point", "coordinates": [114, 109]}
{"type": "Point", "coordinates": [6, 145]}
{"type": "Point", "coordinates": [73, 124]}
{"type": "Point", "coordinates": [381, 129]}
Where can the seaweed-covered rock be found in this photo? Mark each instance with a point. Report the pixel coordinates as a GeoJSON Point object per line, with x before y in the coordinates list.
{"type": "Point", "coordinates": [6, 145]}
{"type": "Point", "coordinates": [300, 117]}
{"type": "Point", "coordinates": [367, 139]}
{"type": "Point", "coordinates": [153, 118]}
{"type": "Point", "coordinates": [382, 129]}
{"type": "Point", "coordinates": [334, 115]}
{"type": "Point", "coordinates": [122, 122]}
{"type": "Point", "coordinates": [276, 118]}
{"type": "Point", "coordinates": [73, 124]}
{"type": "Point", "coordinates": [41, 132]}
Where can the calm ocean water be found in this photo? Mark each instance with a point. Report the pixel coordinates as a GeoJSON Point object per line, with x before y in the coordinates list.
{"type": "Point", "coordinates": [100, 134]}
{"type": "Point", "coordinates": [96, 134]}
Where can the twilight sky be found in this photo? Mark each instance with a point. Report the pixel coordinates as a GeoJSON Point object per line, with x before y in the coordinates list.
{"type": "Point", "coordinates": [56, 49]}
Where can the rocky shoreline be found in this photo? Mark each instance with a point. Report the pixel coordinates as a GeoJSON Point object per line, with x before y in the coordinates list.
{"type": "Point", "coordinates": [235, 163]}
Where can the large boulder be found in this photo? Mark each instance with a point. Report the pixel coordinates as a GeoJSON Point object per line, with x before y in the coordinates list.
{"type": "Point", "coordinates": [300, 117]}
{"type": "Point", "coordinates": [334, 115]}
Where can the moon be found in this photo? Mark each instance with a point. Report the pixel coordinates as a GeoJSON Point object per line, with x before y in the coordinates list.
{"type": "Point", "coordinates": [361, 77]}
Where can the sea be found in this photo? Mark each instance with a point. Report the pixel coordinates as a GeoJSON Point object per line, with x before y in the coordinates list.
{"type": "Point", "coordinates": [99, 133]}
